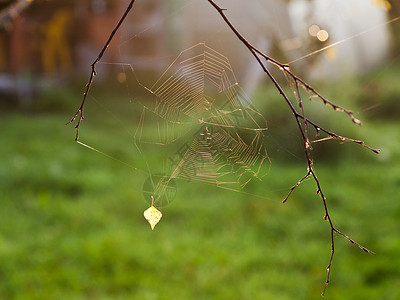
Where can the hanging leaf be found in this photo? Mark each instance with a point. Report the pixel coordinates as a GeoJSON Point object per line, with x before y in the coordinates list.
{"type": "Point", "coordinates": [153, 216]}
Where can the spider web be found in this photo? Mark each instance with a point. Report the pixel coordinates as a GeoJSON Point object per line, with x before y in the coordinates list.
{"type": "Point", "coordinates": [200, 109]}
{"type": "Point", "coordinates": [193, 125]}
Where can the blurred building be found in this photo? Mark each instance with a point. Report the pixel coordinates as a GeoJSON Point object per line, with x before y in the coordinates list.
{"type": "Point", "coordinates": [53, 38]}
{"type": "Point", "coordinates": [59, 39]}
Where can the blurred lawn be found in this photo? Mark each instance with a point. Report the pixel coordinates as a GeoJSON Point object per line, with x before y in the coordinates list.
{"type": "Point", "coordinates": [72, 223]}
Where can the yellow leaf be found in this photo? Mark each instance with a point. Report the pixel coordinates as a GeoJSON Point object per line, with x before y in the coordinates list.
{"type": "Point", "coordinates": [153, 216]}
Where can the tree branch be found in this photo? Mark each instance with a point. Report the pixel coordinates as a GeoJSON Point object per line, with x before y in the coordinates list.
{"type": "Point", "coordinates": [93, 71]}
{"type": "Point", "coordinates": [303, 129]}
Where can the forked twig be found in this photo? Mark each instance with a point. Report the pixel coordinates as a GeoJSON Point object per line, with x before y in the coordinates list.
{"type": "Point", "coordinates": [93, 70]}
{"type": "Point", "coordinates": [303, 129]}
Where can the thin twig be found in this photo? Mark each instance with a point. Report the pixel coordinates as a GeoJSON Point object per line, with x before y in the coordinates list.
{"type": "Point", "coordinates": [296, 185]}
{"type": "Point", "coordinates": [303, 129]}
{"type": "Point", "coordinates": [93, 70]}
{"type": "Point", "coordinates": [339, 137]}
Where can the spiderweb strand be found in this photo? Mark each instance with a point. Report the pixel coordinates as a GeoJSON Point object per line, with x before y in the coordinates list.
{"type": "Point", "coordinates": [107, 155]}
{"type": "Point", "coordinates": [302, 127]}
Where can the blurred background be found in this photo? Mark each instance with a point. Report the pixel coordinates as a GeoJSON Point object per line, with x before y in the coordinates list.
{"type": "Point", "coordinates": [71, 219]}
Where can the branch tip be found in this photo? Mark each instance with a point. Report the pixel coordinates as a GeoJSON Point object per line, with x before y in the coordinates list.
{"type": "Point", "coordinates": [356, 121]}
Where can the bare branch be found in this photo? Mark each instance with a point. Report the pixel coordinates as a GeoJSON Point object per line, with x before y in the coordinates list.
{"type": "Point", "coordinates": [93, 70]}
{"type": "Point", "coordinates": [303, 129]}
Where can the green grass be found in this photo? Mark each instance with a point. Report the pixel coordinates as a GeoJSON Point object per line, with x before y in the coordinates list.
{"type": "Point", "coordinates": [72, 226]}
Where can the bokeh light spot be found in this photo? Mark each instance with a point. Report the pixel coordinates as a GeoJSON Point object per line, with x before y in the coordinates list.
{"type": "Point", "coordinates": [313, 30]}
{"type": "Point", "coordinates": [322, 35]}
